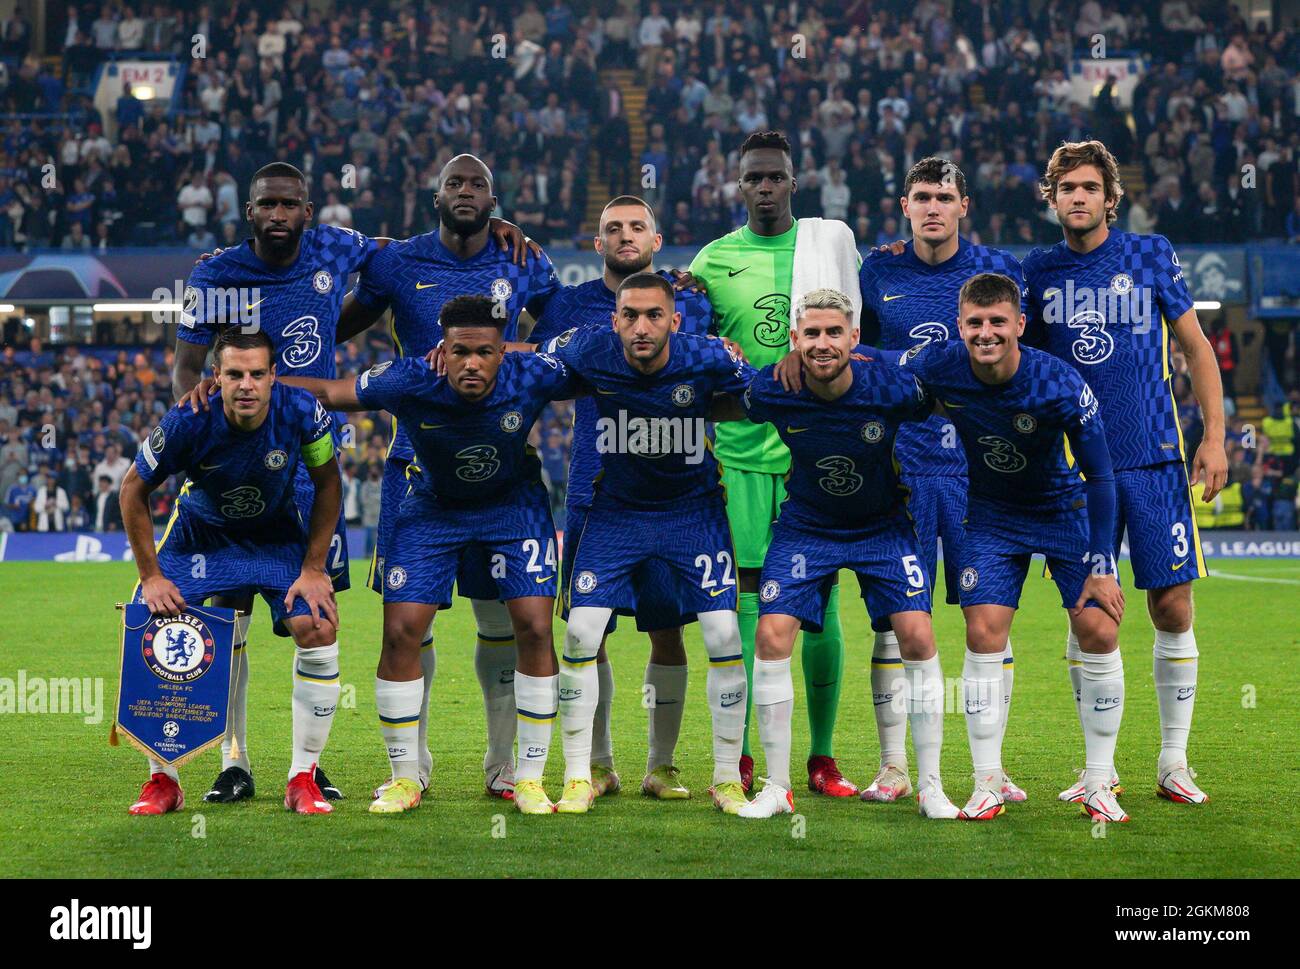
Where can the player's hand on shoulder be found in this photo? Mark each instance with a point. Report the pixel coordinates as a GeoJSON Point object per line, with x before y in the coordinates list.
{"type": "Point", "coordinates": [894, 248]}
{"type": "Point", "coordinates": [789, 372]}
{"type": "Point", "coordinates": [161, 596]}
{"type": "Point", "coordinates": [1105, 591]}
{"type": "Point", "coordinates": [198, 397]}
{"type": "Point", "coordinates": [1211, 466]}
{"type": "Point", "coordinates": [732, 347]}
{"type": "Point", "coordinates": [686, 280]}
{"type": "Point", "coordinates": [314, 586]}
{"type": "Point", "coordinates": [437, 360]}
{"type": "Point", "coordinates": [204, 257]}
{"type": "Point", "coordinates": [511, 238]}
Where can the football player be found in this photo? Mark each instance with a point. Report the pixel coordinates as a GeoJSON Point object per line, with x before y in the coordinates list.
{"type": "Point", "coordinates": [237, 513]}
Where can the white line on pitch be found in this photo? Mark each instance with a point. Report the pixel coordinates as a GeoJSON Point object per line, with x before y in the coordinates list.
{"type": "Point", "coordinates": [1251, 578]}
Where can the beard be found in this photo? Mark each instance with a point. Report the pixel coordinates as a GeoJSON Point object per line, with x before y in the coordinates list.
{"type": "Point", "coordinates": [626, 267]}
{"type": "Point", "coordinates": [461, 225]}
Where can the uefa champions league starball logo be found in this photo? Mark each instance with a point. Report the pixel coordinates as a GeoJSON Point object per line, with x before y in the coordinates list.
{"type": "Point", "coordinates": [177, 649]}
{"type": "Point", "coordinates": [585, 581]}
{"type": "Point", "coordinates": [969, 579]}
{"type": "Point", "coordinates": [873, 432]}
{"type": "Point", "coordinates": [322, 282]}
{"type": "Point", "coordinates": [171, 729]}
{"type": "Point", "coordinates": [1025, 424]}
{"type": "Point", "coordinates": [771, 589]}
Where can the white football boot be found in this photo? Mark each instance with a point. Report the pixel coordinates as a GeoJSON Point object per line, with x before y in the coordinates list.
{"type": "Point", "coordinates": [772, 800]}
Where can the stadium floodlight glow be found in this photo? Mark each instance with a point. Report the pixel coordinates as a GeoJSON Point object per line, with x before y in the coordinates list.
{"type": "Point", "coordinates": [129, 307]}
{"type": "Point", "coordinates": [1207, 304]}
{"type": "Point", "coordinates": [143, 92]}
{"type": "Point", "coordinates": [7, 307]}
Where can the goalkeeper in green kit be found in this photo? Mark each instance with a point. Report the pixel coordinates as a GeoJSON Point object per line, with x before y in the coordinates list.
{"type": "Point", "coordinates": [748, 276]}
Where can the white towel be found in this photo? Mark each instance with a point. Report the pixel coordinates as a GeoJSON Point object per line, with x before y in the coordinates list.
{"type": "Point", "coordinates": [825, 257]}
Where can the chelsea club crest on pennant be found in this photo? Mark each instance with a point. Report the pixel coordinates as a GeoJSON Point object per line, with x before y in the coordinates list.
{"type": "Point", "coordinates": [175, 685]}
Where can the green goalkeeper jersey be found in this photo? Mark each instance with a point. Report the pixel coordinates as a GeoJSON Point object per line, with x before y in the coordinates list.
{"type": "Point", "coordinates": [748, 278]}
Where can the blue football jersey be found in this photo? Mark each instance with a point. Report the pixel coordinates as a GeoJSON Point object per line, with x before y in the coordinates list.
{"type": "Point", "coordinates": [297, 306]}
{"type": "Point", "coordinates": [416, 276]}
{"type": "Point", "coordinates": [1107, 313]}
{"type": "Point", "coordinates": [239, 480]}
{"type": "Point", "coordinates": [591, 305]}
{"type": "Point", "coordinates": [906, 302]}
{"type": "Point", "coordinates": [473, 453]}
{"type": "Point", "coordinates": [842, 471]}
{"type": "Point", "coordinates": [651, 428]}
{"type": "Point", "coordinates": [1014, 434]}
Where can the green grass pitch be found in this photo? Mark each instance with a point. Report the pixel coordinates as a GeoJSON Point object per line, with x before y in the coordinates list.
{"type": "Point", "coordinates": [65, 791]}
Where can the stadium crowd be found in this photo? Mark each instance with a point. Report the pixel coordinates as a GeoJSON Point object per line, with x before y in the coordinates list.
{"type": "Point", "coordinates": [863, 89]}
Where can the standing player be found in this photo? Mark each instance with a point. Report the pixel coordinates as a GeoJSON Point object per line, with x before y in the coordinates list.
{"type": "Point", "coordinates": [288, 282]}
{"type": "Point", "coordinates": [1024, 418]}
{"type": "Point", "coordinates": [628, 240]}
{"type": "Point", "coordinates": [657, 509]}
{"type": "Point", "coordinates": [416, 277]}
{"type": "Point", "coordinates": [481, 491]}
{"type": "Point", "coordinates": [1105, 302]}
{"type": "Point", "coordinates": [846, 509]}
{"type": "Point", "coordinates": [238, 513]}
{"type": "Point", "coordinates": [909, 299]}
{"type": "Point", "coordinates": [748, 276]}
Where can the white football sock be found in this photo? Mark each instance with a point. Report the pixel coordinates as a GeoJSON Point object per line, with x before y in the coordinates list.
{"type": "Point", "coordinates": [234, 746]}
{"type": "Point", "coordinates": [579, 685]}
{"type": "Point", "coordinates": [602, 746]}
{"type": "Point", "coordinates": [889, 699]}
{"type": "Point", "coordinates": [398, 703]}
{"type": "Point", "coordinates": [494, 662]}
{"type": "Point", "coordinates": [981, 677]}
{"type": "Point", "coordinates": [536, 698]}
{"type": "Point", "coordinates": [315, 697]}
{"type": "Point", "coordinates": [1008, 682]}
{"type": "Point", "coordinates": [1074, 660]}
{"type": "Point", "coordinates": [666, 698]}
{"type": "Point", "coordinates": [726, 688]}
{"type": "Point", "coordinates": [1100, 709]}
{"type": "Point", "coordinates": [429, 667]}
{"type": "Point", "coordinates": [774, 709]}
{"type": "Point", "coordinates": [925, 713]}
{"type": "Point", "coordinates": [1175, 675]}
{"type": "Point", "coordinates": [158, 767]}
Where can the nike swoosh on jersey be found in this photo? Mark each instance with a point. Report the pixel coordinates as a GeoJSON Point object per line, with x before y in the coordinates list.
{"type": "Point", "coordinates": [886, 299]}
{"type": "Point", "coordinates": [258, 303]}
{"type": "Point", "coordinates": [1175, 568]}
{"type": "Point", "coordinates": [425, 285]}
{"type": "Point", "coordinates": [714, 593]}
{"type": "Point", "coordinates": [914, 592]}
{"type": "Point", "coordinates": [209, 467]}
{"type": "Point", "coordinates": [794, 430]}
{"type": "Point", "coordinates": [430, 427]}
{"type": "Point", "coordinates": [606, 393]}
{"type": "Point", "coordinates": [952, 406]}
{"type": "Point", "coordinates": [735, 272]}
{"type": "Point", "coordinates": [545, 578]}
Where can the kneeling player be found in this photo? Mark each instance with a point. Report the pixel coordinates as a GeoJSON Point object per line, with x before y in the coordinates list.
{"type": "Point", "coordinates": [846, 510]}
{"type": "Point", "coordinates": [236, 514]}
{"type": "Point", "coordinates": [1024, 418]}
{"type": "Point", "coordinates": [480, 492]}
{"type": "Point", "coordinates": [657, 510]}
